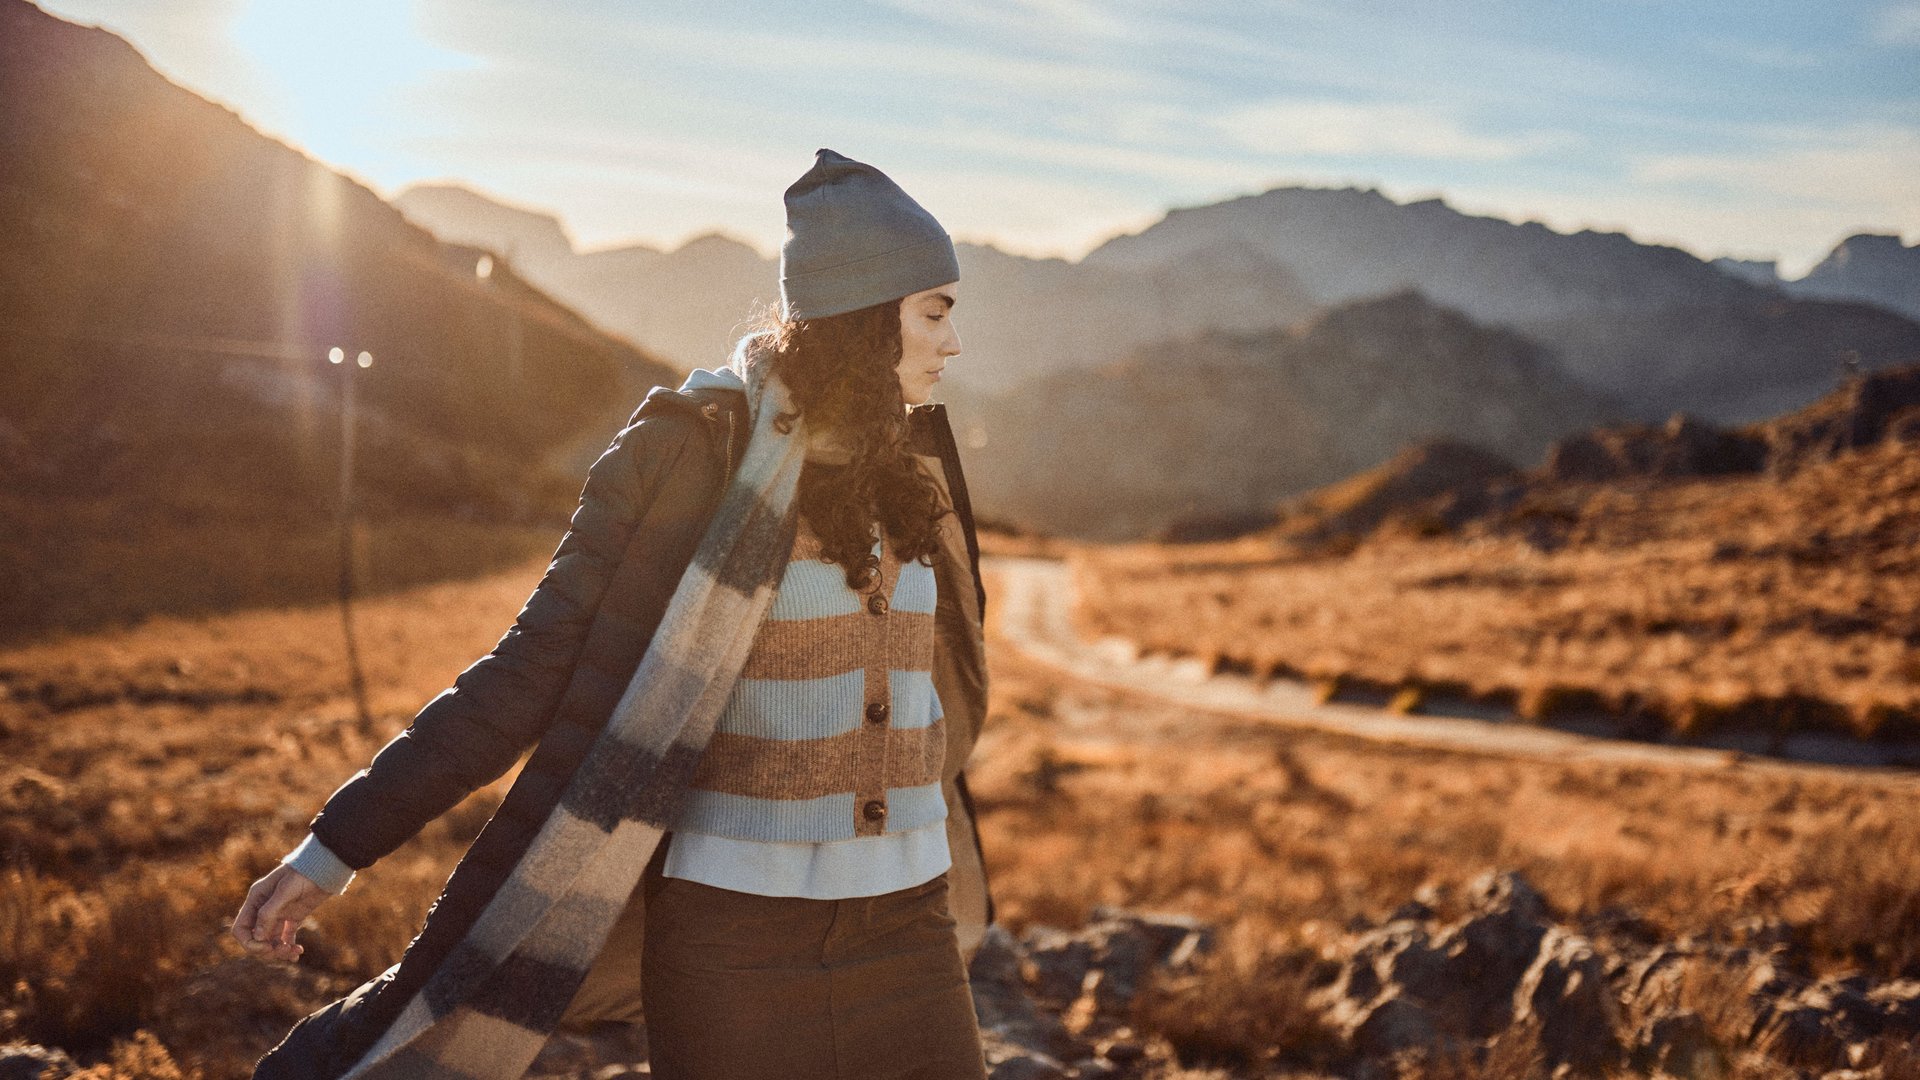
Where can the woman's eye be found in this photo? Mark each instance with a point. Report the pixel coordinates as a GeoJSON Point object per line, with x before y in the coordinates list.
{"type": "Point", "coordinates": [937, 316]}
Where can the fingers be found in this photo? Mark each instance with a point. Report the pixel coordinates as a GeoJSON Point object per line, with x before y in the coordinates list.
{"type": "Point", "coordinates": [244, 923]}
{"type": "Point", "coordinates": [276, 905]}
{"type": "Point", "coordinates": [266, 922]}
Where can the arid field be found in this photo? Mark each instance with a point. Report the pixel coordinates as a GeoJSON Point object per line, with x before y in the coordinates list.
{"type": "Point", "coordinates": [147, 776]}
{"type": "Point", "coordinates": [1698, 604]}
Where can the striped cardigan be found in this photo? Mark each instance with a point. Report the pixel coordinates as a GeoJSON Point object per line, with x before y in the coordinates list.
{"type": "Point", "coordinates": [833, 730]}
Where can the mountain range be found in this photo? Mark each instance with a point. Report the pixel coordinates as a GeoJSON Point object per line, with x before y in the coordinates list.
{"type": "Point", "coordinates": [1654, 326]}
{"type": "Point", "coordinates": [176, 276]}
{"type": "Point", "coordinates": [1226, 355]}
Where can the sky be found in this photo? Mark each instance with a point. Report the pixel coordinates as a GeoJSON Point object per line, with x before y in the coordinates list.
{"type": "Point", "coordinates": [1762, 129]}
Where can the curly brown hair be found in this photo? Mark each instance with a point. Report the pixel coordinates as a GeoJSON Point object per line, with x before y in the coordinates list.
{"type": "Point", "coordinates": [840, 372]}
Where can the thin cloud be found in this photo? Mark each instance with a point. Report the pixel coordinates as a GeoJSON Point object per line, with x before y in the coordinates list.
{"type": "Point", "coordinates": [1022, 17]}
{"type": "Point", "coordinates": [1897, 25]}
{"type": "Point", "coordinates": [1871, 166]}
{"type": "Point", "coordinates": [1776, 56]}
{"type": "Point", "coordinates": [848, 54]}
{"type": "Point", "coordinates": [1325, 128]}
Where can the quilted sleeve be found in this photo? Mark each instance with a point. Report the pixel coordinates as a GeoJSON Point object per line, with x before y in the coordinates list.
{"type": "Point", "coordinates": [471, 733]}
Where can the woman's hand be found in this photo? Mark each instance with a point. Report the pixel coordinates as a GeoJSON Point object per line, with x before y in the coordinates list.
{"type": "Point", "coordinates": [276, 906]}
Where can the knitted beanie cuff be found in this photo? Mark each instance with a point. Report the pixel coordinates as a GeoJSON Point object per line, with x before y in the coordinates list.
{"type": "Point", "coordinates": [849, 286]}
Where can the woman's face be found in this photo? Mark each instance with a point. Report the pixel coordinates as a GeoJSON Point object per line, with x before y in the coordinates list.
{"type": "Point", "coordinates": [927, 338]}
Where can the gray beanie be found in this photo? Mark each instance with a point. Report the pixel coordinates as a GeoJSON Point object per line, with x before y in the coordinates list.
{"type": "Point", "coordinates": [855, 239]}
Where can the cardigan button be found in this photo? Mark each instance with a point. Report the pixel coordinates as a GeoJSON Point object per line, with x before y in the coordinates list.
{"type": "Point", "coordinates": [875, 809]}
{"type": "Point", "coordinates": [877, 712]}
{"type": "Point", "coordinates": [877, 604]}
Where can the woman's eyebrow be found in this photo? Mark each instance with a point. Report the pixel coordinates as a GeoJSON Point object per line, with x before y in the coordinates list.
{"type": "Point", "coordinates": [948, 297]}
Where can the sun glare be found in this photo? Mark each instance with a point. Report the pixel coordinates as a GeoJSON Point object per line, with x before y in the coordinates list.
{"type": "Point", "coordinates": [337, 68]}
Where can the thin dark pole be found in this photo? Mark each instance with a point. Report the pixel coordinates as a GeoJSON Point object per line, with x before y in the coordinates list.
{"type": "Point", "coordinates": [355, 676]}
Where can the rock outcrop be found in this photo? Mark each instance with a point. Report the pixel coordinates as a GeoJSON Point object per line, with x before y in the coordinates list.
{"type": "Point", "coordinates": [1596, 994]}
{"type": "Point", "coordinates": [1684, 446]}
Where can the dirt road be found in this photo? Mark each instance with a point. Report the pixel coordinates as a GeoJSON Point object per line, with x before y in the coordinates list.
{"type": "Point", "coordinates": [1035, 597]}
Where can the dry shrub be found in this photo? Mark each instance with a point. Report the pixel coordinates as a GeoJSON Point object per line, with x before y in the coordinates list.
{"type": "Point", "coordinates": [1514, 1054]}
{"type": "Point", "coordinates": [1238, 1011]}
{"type": "Point", "coordinates": [141, 1057]}
{"type": "Point", "coordinates": [1870, 911]}
{"type": "Point", "coordinates": [1756, 1066]}
{"type": "Point", "coordinates": [1721, 997]}
{"type": "Point", "coordinates": [1407, 700]}
{"type": "Point", "coordinates": [1542, 703]}
{"type": "Point", "coordinates": [86, 963]}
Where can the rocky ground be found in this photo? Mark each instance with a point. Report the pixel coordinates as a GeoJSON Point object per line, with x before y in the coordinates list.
{"type": "Point", "coordinates": [1502, 988]}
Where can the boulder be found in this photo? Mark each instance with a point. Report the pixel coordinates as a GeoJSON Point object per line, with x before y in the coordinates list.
{"type": "Point", "coordinates": [1128, 946]}
{"type": "Point", "coordinates": [1490, 950]}
{"type": "Point", "coordinates": [1389, 1024]}
{"type": "Point", "coordinates": [1684, 446]}
{"type": "Point", "coordinates": [1853, 1015]}
{"type": "Point", "coordinates": [25, 1061]}
{"type": "Point", "coordinates": [1899, 1004]}
{"type": "Point", "coordinates": [1007, 1014]}
{"type": "Point", "coordinates": [1875, 406]}
{"type": "Point", "coordinates": [1010, 1061]}
{"type": "Point", "coordinates": [1565, 991]}
{"type": "Point", "coordinates": [1803, 1036]}
{"type": "Point", "coordinates": [1057, 963]}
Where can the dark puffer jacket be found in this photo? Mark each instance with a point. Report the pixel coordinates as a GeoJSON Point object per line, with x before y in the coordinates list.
{"type": "Point", "coordinates": [552, 681]}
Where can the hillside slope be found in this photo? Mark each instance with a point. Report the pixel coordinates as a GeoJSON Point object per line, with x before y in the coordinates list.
{"type": "Point", "coordinates": [169, 423]}
{"type": "Point", "coordinates": [1227, 424]}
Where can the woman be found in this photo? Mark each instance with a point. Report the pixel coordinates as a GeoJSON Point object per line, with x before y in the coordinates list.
{"type": "Point", "coordinates": [753, 671]}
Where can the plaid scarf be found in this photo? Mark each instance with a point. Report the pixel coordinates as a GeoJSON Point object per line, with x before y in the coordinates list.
{"type": "Point", "coordinates": [490, 1005]}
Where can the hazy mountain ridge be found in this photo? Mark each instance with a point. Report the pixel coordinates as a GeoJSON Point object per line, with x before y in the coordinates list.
{"type": "Point", "coordinates": [1022, 316]}
{"type": "Point", "coordinates": [1874, 268]}
{"type": "Point", "coordinates": [1654, 325]}
{"type": "Point", "coordinates": [1871, 267]}
{"type": "Point", "coordinates": [461, 216]}
{"type": "Point", "coordinates": [1226, 424]}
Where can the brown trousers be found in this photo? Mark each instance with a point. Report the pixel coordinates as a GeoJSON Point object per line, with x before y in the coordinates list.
{"type": "Point", "coordinates": [737, 986]}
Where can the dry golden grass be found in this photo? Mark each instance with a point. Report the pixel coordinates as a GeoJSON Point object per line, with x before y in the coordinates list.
{"type": "Point", "coordinates": [1283, 836]}
{"type": "Point", "coordinates": [148, 775]}
{"type": "Point", "coordinates": [151, 773]}
{"type": "Point", "coordinates": [81, 565]}
{"type": "Point", "coordinates": [1749, 602]}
